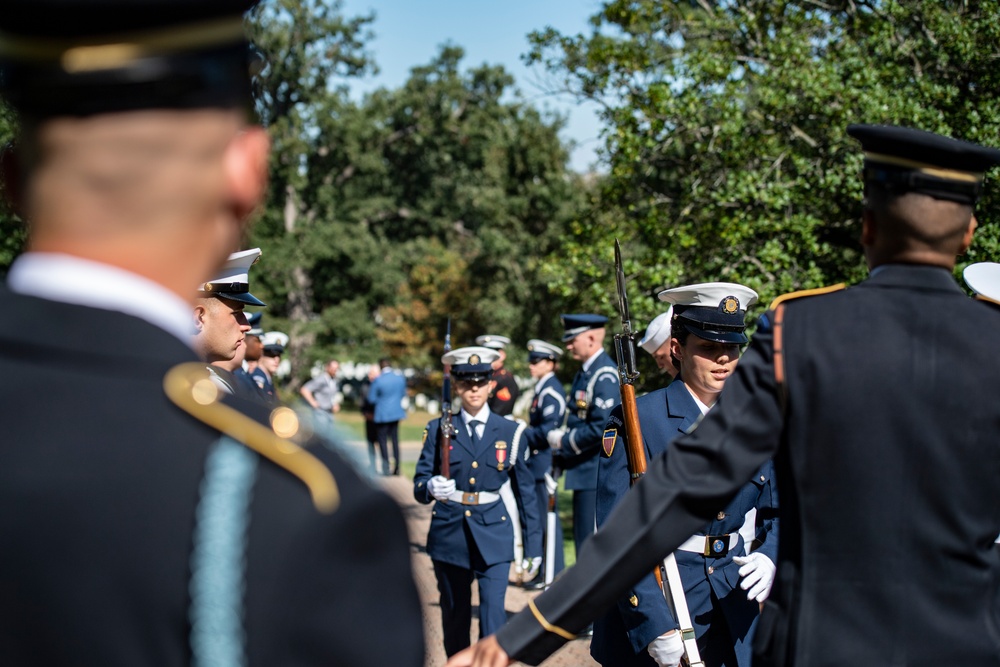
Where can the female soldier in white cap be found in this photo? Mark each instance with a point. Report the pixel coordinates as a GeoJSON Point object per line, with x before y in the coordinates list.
{"type": "Point", "coordinates": [475, 521]}
{"type": "Point", "coordinates": [706, 334]}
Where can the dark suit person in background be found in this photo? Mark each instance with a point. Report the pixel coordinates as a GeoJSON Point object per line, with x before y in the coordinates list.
{"type": "Point", "coordinates": [386, 394]}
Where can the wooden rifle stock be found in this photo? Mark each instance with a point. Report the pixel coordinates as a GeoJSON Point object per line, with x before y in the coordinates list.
{"type": "Point", "coordinates": [635, 451]}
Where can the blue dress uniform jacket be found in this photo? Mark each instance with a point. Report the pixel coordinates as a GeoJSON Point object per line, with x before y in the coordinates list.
{"type": "Point", "coordinates": [548, 409]}
{"type": "Point", "coordinates": [99, 508]}
{"type": "Point", "coordinates": [642, 614]}
{"type": "Point", "coordinates": [591, 398]}
{"type": "Point", "coordinates": [884, 441]}
{"type": "Point", "coordinates": [485, 467]}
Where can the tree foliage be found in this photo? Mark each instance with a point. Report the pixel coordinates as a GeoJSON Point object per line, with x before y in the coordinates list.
{"type": "Point", "coordinates": [13, 231]}
{"type": "Point", "coordinates": [389, 215]}
{"type": "Point", "coordinates": [725, 128]}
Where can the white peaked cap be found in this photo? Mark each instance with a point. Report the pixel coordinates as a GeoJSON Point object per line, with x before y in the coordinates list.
{"type": "Point", "coordinates": [543, 349]}
{"type": "Point", "coordinates": [658, 332]}
{"type": "Point", "coordinates": [274, 338]}
{"type": "Point", "coordinates": [983, 278]}
{"type": "Point", "coordinates": [493, 341]}
{"type": "Point", "coordinates": [232, 280]}
{"type": "Point", "coordinates": [709, 295]}
{"type": "Point", "coordinates": [470, 355]}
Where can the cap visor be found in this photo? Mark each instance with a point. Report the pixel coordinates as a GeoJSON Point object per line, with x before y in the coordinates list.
{"type": "Point", "coordinates": [243, 297]}
{"type": "Point", "coordinates": [728, 337]}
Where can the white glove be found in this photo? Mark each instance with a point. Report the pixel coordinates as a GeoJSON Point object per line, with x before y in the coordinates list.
{"type": "Point", "coordinates": [440, 487]}
{"type": "Point", "coordinates": [667, 649]}
{"type": "Point", "coordinates": [550, 484]}
{"type": "Point", "coordinates": [530, 567]}
{"type": "Point", "coordinates": [758, 575]}
{"type": "Point", "coordinates": [555, 437]}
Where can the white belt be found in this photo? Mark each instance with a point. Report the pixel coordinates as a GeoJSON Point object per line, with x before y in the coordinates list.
{"type": "Point", "coordinates": [710, 545]}
{"type": "Point", "coordinates": [474, 497]}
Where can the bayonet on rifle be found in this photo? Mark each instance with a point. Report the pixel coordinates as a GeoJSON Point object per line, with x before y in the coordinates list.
{"type": "Point", "coordinates": [628, 372]}
{"type": "Point", "coordinates": [635, 452]}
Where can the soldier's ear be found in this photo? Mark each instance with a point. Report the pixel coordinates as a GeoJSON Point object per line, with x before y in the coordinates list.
{"type": "Point", "coordinates": [868, 228]}
{"type": "Point", "coordinates": [969, 233]}
{"type": "Point", "coordinates": [199, 317]}
{"type": "Point", "coordinates": [245, 165]}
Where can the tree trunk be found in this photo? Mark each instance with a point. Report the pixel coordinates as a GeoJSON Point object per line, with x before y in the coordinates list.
{"type": "Point", "coordinates": [300, 299]}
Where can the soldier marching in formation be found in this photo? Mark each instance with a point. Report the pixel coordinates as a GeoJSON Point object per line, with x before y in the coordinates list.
{"type": "Point", "coordinates": [707, 333]}
{"type": "Point", "coordinates": [548, 410]}
{"type": "Point", "coordinates": [479, 497]}
{"type": "Point", "coordinates": [593, 394]}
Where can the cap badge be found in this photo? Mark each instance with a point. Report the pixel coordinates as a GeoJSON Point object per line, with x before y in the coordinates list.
{"type": "Point", "coordinates": [474, 359]}
{"type": "Point", "coordinates": [208, 287]}
{"type": "Point", "coordinates": [730, 305]}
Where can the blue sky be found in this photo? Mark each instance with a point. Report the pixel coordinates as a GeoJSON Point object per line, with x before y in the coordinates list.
{"type": "Point", "coordinates": [409, 32]}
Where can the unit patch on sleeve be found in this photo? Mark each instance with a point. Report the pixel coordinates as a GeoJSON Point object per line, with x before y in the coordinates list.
{"type": "Point", "coordinates": [608, 441]}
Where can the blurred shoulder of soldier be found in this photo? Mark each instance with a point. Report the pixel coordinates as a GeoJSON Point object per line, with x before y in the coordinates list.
{"type": "Point", "coordinates": [142, 533]}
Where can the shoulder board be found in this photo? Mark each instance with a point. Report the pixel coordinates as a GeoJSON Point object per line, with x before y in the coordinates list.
{"type": "Point", "coordinates": [980, 297]}
{"type": "Point", "coordinates": [806, 292]}
{"type": "Point", "coordinates": [516, 441]}
{"type": "Point", "coordinates": [190, 388]}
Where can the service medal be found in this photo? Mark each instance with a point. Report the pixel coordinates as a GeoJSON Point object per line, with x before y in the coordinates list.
{"type": "Point", "coordinates": [501, 450]}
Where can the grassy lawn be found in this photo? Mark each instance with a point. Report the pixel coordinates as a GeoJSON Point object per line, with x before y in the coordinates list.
{"type": "Point", "coordinates": [410, 429]}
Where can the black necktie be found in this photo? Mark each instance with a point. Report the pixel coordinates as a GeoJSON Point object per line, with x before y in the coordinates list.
{"type": "Point", "coordinates": [473, 425]}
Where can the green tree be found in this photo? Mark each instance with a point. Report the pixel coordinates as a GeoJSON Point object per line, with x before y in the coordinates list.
{"type": "Point", "coordinates": [452, 171]}
{"type": "Point", "coordinates": [13, 230]}
{"type": "Point", "coordinates": [309, 50]}
{"type": "Point", "coordinates": [725, 128]}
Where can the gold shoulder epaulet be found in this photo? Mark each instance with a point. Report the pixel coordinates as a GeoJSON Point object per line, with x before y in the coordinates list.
{"type": "Point", "coordinates": [190, 388]}
{"type": "Point", "coordinates": [981, 297]}
{"type": "Point", "coordinates": [806, 292]}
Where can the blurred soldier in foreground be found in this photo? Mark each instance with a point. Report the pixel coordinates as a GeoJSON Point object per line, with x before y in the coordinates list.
{"type": "Point", "coordinates": [474, 524]}
{"type": "Point", "coordinates": [707, 333]}
{"type": "Point", "coordinates": [134, 531]}
{"type": "Point", "coordinates": [882, 423]}
{"type": "Point", "coordinates": [548, 410]}
{"type": "Point", "coordinates": [505, 390]}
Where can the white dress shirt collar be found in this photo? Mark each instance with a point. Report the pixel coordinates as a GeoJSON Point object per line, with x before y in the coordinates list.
{"type": "Point", "coordinates": [589, 362]}
{"type": "Point", "coordinates": [69, 279]}
{"type": "Point", "coordinates": [697, 401]}
{"type": "Point", "coordinates": [544, 378]}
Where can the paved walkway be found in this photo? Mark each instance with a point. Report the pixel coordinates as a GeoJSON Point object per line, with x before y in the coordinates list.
{"type": "Point", "coordinates": [575, 654]}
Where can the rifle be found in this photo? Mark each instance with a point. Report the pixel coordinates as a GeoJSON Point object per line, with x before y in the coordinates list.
{"type": "Point", "coordinates": [447, 429]}
{"type": "Point", "coordinates": [635, 453]}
